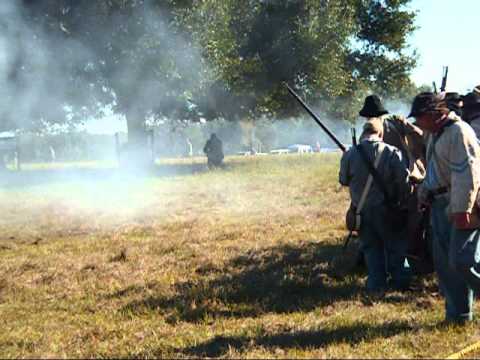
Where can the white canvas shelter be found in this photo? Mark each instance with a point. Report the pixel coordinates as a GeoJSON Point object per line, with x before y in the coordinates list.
{"type": "Point", "coordinates": [8, 141]}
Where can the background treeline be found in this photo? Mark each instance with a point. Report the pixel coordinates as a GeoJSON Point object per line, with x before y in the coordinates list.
{"type": "Point", "coordinates": [170, 140]}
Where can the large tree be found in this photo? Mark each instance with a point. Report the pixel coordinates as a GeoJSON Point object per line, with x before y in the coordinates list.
{"type": "Point", "coordinates": [213, 58]}
{"type": "Point", "coordinates": [334, 52]}
{"type": "Point", "coordinates": [131, 54]}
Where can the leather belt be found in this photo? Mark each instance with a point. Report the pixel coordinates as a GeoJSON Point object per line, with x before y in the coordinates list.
{"type": "Point", "coordinates": [436, 192]}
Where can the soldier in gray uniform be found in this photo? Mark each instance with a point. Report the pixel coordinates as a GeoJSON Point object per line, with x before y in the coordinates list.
{"type": "Point", "coordinates": [451, 190]}
{"type": "Point", "coordinates": [408, 138]}
{"type": "Point", "coordinates": [214, 151]}
{"type": "Point", "coordinates": [384, 249]}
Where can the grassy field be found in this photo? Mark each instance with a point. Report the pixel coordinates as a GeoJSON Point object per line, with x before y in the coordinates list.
{"type": "Point", "coordinates": [182, 262]}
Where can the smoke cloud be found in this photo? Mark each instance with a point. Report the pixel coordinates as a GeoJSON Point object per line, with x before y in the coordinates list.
{"type": "Point", "coordinates": [53, 71]}
{"type": "Point", "coordinates": [35, 71]}
{"type": "Point", "coordinates": [50, 75]}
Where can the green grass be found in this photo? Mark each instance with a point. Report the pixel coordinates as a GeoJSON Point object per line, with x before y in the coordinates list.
{"type": "Point", "coordinates": [182, 262]}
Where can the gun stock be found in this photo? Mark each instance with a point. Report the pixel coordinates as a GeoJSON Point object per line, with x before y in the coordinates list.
{"type": "Point", "coordinates": [316, 118]}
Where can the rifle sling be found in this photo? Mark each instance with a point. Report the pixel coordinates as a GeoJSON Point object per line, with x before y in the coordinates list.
{"type": "Point", "coordinates": [376, 176]}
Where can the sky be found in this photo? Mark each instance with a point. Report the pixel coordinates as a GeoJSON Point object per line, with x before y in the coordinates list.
{"type": "Point", "coordinates": [448, 35]}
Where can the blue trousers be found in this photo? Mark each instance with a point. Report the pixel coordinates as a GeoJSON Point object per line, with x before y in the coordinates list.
{"type": "Point", "coordinates": [456, 257]}
{"type": "Point", "coordinates": [384, 250]}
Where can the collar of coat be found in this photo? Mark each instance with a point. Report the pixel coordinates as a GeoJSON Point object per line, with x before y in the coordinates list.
{"type": "Point", "coordinates": [371, 138]}
{"type": "Point", "coordinates": [454, 117]}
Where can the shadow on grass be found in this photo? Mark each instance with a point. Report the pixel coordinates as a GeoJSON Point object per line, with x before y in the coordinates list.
{"type": "Point", "coordinates": [280, 279]}
{"type": "Point", "coordinates": [351, 334]}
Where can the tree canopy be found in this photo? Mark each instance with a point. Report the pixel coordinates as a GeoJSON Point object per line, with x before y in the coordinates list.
{"type": "Point", "coordinates": [334, 52]}
{"type": "Point", "coordinates": [185, 59]}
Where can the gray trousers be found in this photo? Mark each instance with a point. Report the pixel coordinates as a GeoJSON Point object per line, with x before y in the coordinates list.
{"type": "Point", "coordinates": [456, 257]}
{"type": "Point", "coordinates": [384, 250]}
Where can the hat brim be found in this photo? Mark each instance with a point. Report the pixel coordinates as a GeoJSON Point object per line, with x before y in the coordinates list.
{"type": "Point", "coordinates": [418, 112]}
{"type": "Point", "coordinates": [368, 114]}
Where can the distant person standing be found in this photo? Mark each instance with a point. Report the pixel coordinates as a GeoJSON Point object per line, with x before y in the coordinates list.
{"type": "Point", "coordinates": [53, 155]}
{"type": "Point", "coordinates": [189, 149]}
{"type": "Point", "coordinates": [214, 151]}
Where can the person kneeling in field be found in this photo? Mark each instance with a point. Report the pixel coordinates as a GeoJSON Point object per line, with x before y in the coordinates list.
{"type": "Point", "coordinates": [214, 151]}
{"type": "Point", "coordinates": [384, 248]}
{"type": "Point", "coordinates": [451, 189]}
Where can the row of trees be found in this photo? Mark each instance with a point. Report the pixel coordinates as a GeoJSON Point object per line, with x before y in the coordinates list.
{"type": "Point", "coordinates": [172, 141]}
{"type": "Point", "coordinates": [153, 60]}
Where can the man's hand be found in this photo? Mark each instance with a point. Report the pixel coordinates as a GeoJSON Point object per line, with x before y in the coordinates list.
{"type": "Point", "coordinates": [461, 220]}
{"type": "Point", "coordinates": [424, 200]}
{"type": "Point", "coordinates": [423, 203]}
{"type": "Point", "coordinates": [465, 221]}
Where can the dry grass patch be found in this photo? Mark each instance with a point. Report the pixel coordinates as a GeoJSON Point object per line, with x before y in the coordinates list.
{"type": "Point", "coordinates": [181, 262]}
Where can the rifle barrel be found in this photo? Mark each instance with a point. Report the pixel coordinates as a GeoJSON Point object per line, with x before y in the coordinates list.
{"type": "Point", "coordinates": [444, 79]}
{"type": "Point", "coordinates": [354, 136]}
{"type": "Point", "coordinates": [316, 118]}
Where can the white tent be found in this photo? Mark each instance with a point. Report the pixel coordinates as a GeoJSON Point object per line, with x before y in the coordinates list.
{"type": "Point", "coordinates": [8, 141]}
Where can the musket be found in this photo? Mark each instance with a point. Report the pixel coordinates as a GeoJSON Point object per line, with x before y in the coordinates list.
{"type": "Point", "coordinates": [444, 79]}
{"type": "Point", "coordinates": [316, 118]}
{"type": "Point", "coordinates": [353, 131]}
{"type": "Point", "coordinates": [354, 136]}
{"type": "Point", "coordinates": [434, 85]}
{"type": "Point", "coordinates": [347, 241]}
{"type": "Point", "coordinates": [333, 137]}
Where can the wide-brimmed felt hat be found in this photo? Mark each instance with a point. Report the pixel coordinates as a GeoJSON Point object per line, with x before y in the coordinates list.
{"type": "Point", "coordinates": [454, 102]}
{"type": "Point", "coordinates": [372, 107]}
{"type": "Point", "coordinates": [426, 102]}
{"type": "Point", "coordinates": [472, 100]}
{"type": "Point", "coordinates": [452, 97]}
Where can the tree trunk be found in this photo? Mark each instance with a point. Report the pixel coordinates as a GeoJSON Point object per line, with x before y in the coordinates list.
{"type": "Point", "coordinates": [137, 135]}
{"type": "Point", "coordinates": [3, 166]}
{"type": "Point", "coordinates": [137, 152]}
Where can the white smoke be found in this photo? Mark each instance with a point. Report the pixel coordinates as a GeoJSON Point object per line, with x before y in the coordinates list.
{"type": "Point", "coordinates": [34, 71]}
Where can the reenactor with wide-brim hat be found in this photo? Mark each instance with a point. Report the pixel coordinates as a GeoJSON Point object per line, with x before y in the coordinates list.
{"type": "Point", "coordinates": [397, 131]}
{"type": "Point", "coordinates": [383, 246]}
{"type": "Point", "coordinates": [455, 102]}
{"type": "Point", "coordinates": [471, 109]}
{"type": "Point", "coordinates": [408, 138]}
{"type": "Point", "coordinates": [450, 189]}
